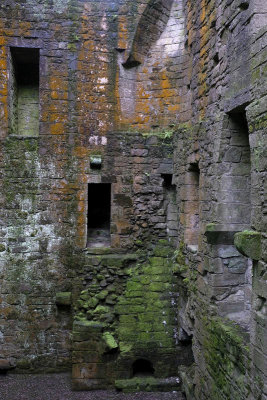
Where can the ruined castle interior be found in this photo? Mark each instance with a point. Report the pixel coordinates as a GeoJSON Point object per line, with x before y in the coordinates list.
{"type": "Point", "coordinates": [133, 194]}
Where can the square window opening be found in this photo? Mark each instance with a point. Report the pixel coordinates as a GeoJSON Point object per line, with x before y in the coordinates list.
{"type": "Point", "coordinates": [98, 214]}
{"type": "Point", "coordinates": [24, 91]}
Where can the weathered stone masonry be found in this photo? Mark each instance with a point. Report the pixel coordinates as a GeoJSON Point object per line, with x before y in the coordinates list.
{"type": "Point", "coordinates": [164, 102]}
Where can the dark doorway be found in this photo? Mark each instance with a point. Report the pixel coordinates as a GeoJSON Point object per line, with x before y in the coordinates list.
{"type": "Point", "coordinates": [24, 91]}
{"type": "Point", "coordinates": [98, 215]}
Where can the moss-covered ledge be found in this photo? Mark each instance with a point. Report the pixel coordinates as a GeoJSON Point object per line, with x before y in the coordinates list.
{"type": "Point", "coordinates": [63, 299]}
{"type": "Point", "coordinates": [248, 243]}
{"type": "Point", "coordinates": [227, 359]}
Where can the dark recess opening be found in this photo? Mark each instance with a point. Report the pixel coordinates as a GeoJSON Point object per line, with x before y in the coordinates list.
{"type": "Point", "coordinates": [98, 214]}
{"type": "Point", "coordinates": [244, 5]}
{"type": "Point", "coordinates": [216, 59]}
{"type": "Point", "coordinates": [143, 367]}
{"type": "Point", "coordinates": [239, 119]}
{"type": "Point", "coordinates": [167, 180]}
{"type": "Point", "coordinates": [131, 63]}
{"type": "Point", "coordinates": [24, 91]}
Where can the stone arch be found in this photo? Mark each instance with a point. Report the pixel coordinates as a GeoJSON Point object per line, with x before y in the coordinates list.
{"type": "Point", "coordinates": [151, 25]}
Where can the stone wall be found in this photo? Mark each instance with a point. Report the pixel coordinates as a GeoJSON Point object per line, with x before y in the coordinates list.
{"type": "Point", "coordinates": [226, 143]}
{"type": "Point", "coordinates": [170, 98]}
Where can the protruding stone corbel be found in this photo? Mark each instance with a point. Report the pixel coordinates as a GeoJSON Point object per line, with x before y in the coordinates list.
{"type": "Point", "coordinates": [248, 243]}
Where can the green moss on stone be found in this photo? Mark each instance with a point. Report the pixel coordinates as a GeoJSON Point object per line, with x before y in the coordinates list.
{"type": "Point", "coordinates": [249, 244]}
{"type": "Point", "coordinates": [2, 248]}
{"type": "Point", "coordinates": [110, 341]}
{"type": "Point", "coordinates": [211, 227]}
{"type": "Point", "coordinates": [226, 357]}
{"type": "Point", "coordinates": [63, 298]}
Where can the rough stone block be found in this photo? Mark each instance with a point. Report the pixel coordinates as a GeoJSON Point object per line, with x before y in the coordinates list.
{"type": "Point", "coordinates": [249, 244]}
{"type": "Point", "coordinates": [5, 365]}
{"type": "Point", "coordinates": [227, 252]}
{"type": "Point", "coordinates": [63, 298]}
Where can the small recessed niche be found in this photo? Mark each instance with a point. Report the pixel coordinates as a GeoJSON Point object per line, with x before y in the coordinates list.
{"type": "Point", "coordinates": [98, 214]}
{"type": "Point", "coordinates": [244, 5]}
{"type": "Point", "coordinates": [142, 367]}
{"type": "Point", "coordinates": [216, 59]}
{"type": "Point", "coordinates": [131, 62]}
{"type": "Point", "coordinates": [119, 50]}
{"type": "Point", "coordinates": [167, 180]}
{"type": "Point", "coordinates": [24, 91]}
{"type": "Point", "coordinates": [96, 162]}
{"type": "Point", "coordinates": [213, 23]}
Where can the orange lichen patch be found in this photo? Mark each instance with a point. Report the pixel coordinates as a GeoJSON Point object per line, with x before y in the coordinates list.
{"type": "Point", "coordinates": [59, 106]}
{"type": "Point", "coordinates": [81, 228]}
{"type": "Point", "coordinates": [81, 223]}
{"type": "Point", "coordinates": [88, 45]}
{"type": "Point", "coordinates": [57, 117]}
{"type": "Point", "coordinates": [84, 56]}
{"type": "Point", "coordinates": [24, 28]}
{"type": "Point", "coordinates": [83, 87]}
{"type": "Point", "coordinates": [58, 95]}
{"type": "Point", "coordinates": [174, 108]}
{"type": "Point", "coordinates": [2, 39]}
{"type": "Point", "coordinates": [202, 75]}
{"type": "Point", "coordinates": [81, 206]}
{"type": "Point", "coordinates": [81, 195]}
{"type": "Point", "coordinates": [165, 84]}
{"type": "Point", "coordinates": [58, 83]}
{"type": "Point", "coordinates": [190, 31]}
{"type": "Point", "coordinates": [203, 11]}
{"type": "Point", "coordinates": [141, 120]}
{"type": "Point", "coordinates": [122, 32]}
{"type": "Point", "coordinates": [142, 93]}
{"type": "Point", "coordinates": [81, 152]}
{"type": "Point", "coordinates": [4, 91]}
{"type": "Point", "coordinates": [167, 93]}
{"type": "Point", "coordinates": [3, 64]}
{"type": "Point", "coordinates": [57, 129]}
{"type": "Point", "coordinates": [4, 85]}
{"type": "Point", "coordinates": [143, 106]}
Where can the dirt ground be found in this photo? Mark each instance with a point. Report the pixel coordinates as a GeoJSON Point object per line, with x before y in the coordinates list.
{"type": "Point", "coordinates": [58, 387]}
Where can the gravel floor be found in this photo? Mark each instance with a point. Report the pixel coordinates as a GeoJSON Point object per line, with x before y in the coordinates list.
{"type": "Point", "coordinates": [57, 387]}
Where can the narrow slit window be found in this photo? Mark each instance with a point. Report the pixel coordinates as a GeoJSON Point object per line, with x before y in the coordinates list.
{"type": "Point", "coordinates": [24, 91]}
{"type": "Point", "coordinates": [98, 215]}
